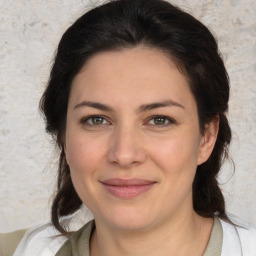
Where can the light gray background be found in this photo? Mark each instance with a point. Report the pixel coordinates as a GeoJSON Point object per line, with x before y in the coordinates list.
{"type": "Point", "coordinates": [29, 33]}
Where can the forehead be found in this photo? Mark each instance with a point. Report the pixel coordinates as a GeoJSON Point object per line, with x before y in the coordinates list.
{"type": "Point", "coordinates": [138, 74]}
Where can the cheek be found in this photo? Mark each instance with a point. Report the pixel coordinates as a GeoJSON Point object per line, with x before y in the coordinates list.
{"type": "Point", "coordinates": [176, 153]}
{"type": "Point", "coordinates": [177, 160]}
{"type": "Point", "coordinates": [83, 159]}
{"type": "Point", "coordinates": [81, 153]}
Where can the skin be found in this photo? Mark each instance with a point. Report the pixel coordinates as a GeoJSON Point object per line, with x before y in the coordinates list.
{"type": "Point", "coordinates": [127, 142]}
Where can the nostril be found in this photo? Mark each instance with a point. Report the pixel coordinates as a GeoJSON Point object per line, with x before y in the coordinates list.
{"type": "Point", "coordinates": [125, 147]}
{"type": "Point", "coordinates": [126, 158]}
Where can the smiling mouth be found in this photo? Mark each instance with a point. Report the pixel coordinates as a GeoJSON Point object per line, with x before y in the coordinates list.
{"type": "Point", "coordinates": [127, 188]}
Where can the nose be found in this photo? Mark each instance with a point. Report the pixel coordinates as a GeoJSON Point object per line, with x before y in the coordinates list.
{"type": "Point", "coordinates": [126, 148]}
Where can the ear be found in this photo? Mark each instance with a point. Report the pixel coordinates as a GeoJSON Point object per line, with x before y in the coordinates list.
{"type": "Point", "coordinates": [208, 140]}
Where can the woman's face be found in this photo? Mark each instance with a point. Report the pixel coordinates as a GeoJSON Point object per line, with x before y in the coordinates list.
{"type": "Point", "coordinates": [132, 138]}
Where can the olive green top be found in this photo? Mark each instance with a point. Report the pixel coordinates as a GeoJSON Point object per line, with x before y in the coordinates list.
{"type": "Point", "coordinates": [215, 242]}
{"type": "Point", "coordinates": [78, 244]}
{"type": "Point", "coordinates": [10, 241]}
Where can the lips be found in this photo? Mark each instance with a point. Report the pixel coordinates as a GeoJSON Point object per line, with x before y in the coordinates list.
{"type": "Point", "coordinates": [127, 188]}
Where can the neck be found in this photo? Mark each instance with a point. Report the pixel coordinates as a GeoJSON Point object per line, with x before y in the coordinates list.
{"type": "Point", "coordinates": [188, 235]}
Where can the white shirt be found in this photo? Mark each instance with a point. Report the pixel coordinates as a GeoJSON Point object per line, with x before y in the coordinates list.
{"type": "Point", "coordinates": [45, 240]}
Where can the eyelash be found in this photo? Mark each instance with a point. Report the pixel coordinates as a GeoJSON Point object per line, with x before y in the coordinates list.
{"type": "Point", "coordinates": [85, 121]}
{"type": "Point", "coordinates": [166, 118]}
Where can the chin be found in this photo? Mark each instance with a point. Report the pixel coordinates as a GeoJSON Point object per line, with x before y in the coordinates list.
{"type": "Point", "coordinates": [126, 218]}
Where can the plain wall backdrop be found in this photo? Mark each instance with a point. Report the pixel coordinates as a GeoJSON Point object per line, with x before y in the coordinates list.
{"type": "Point", "coordinates": [29, 33]}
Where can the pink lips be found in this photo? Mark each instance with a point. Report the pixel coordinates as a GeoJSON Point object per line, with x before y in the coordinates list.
{"type": "Point", "coordinates": [127, 188]}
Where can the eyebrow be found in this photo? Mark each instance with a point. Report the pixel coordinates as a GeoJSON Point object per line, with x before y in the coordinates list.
{"type": "Point", "coordinates": [142, 108]}
{"type": "Point", "coordinates": [93, 105]}
{"type": "Point", "coordinates": [166, 103]}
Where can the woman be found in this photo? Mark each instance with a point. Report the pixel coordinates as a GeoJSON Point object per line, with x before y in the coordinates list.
{"type": "Point", "coordinates": [136, 102]}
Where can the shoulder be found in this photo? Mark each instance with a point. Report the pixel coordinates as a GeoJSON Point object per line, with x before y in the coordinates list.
{"type": "Point", "coordinates": [240, 238]}
{"type": "Point", "coordinates": [9, 242]}
{"type": "Point", "coordinates": [78, 243]}
{"type": "Point", "coordinates": [37, 241]}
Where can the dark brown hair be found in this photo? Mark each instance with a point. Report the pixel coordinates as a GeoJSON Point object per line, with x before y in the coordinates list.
{"type": "Point", "coordinates": [158, 24]}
